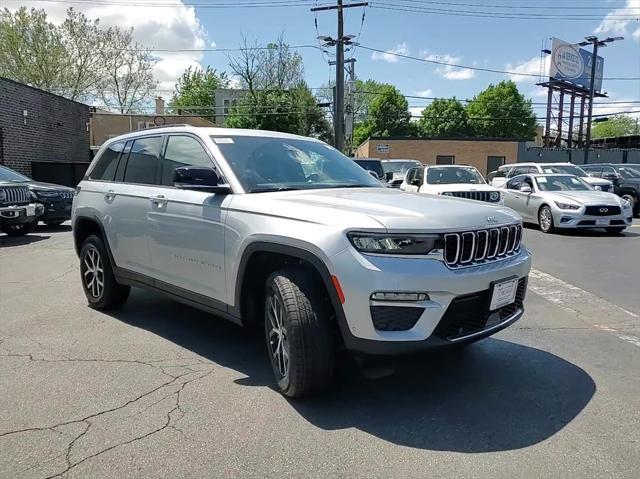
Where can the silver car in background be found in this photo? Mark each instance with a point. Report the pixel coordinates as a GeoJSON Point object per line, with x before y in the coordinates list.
{"type": "Point", "coordinates": [565, 201]}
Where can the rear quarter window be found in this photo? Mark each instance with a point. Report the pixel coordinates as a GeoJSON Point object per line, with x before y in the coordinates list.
{"type": "Point", "coordinates": [106, 165]}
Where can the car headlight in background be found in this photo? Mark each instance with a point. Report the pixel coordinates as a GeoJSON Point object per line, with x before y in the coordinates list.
{"type": "Point", "coordinates": [395, 244]}
{"type": "Point", "coordinates": [566, 206]}
{"type": "Point", "coordinates": [598, 187]}
{"type": "Point", "coordinates": [626, 204]}
{"type": "Point", "coordinates": [47, 194]}
{"type": "Point", "coordinates": [494, 196]}
{"type": "Point", "coordinates": [3, 195]}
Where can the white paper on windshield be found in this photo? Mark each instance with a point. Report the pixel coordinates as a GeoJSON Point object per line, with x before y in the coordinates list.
{"type": "Point", "coordinates": [542, 179]}
{"type": "Point", "coordinates": [223, 141]}
{"type": "Point", "coordinates": [548, 170]}
{"type": "Point", "coordinates": [575, 181]}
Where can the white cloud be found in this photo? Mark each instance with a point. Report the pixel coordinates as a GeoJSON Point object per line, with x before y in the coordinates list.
{"type": "Point", "coordinates": [448, 71]}
{"type": "Point", "coordinates": [401, 49]}
{"type": "Point", "coordinates": [615, 24]}
{"type": "Point", "coordinates": [171, 28]}
{"type": "Point", "coordinates": [416, 111]}
{"type": "Point", "coordinates": [427, 92]}
{"type": "Point", "coordinates": [529, 67]}
{"type": "Point", "coordinates": [213, 44]}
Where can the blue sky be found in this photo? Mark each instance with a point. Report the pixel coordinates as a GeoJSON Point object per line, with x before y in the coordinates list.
{"type": "Point", "coordinates": [504, 44]}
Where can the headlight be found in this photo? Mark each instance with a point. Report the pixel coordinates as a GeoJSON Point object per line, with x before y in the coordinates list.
{"type": "Point", "coordinates": [567, 206]}
{"type": "Point", "coordinates": [626, 204]}
{"type": "Point", "coordinates": [494, 196]}
{"type": "Point", "coordinates": [598, 187]}
{"type": "Point", "coordinates": [446, 193]}
{"type": "Point", "coordinates": [395, 244]}
{"type": "Point", "coordinates": [3, 195]}
{"type": "Point", "coordinates": [46, 194]}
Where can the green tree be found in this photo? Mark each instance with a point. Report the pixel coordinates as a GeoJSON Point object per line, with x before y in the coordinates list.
{"type": "Point", "coordinates": [364, 92]}
{"type": "Point", "coordinates": [618, 125]}
{"type": "Point", "coordinates": [388, 116]}
{"type": "Point", "coordinates": [501, 111]}
{"type": "Point", "coordinates": [196, 88]}
{"type": "Point", "coordinates": [444, 118]}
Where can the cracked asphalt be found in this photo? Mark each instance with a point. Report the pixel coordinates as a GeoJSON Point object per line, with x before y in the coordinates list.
{"type": "Point", "coordinates": [158, 389]}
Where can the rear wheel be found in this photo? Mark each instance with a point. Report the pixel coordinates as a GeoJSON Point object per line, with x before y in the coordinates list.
{"type": "Point", "coordinates": [545, 220]}
{"type": "Point", "coordinates": [18, 229]}
{"type": "Point", "coordinates": [99, 284]}
{"type": "Point", "coordinates": [298, 332]}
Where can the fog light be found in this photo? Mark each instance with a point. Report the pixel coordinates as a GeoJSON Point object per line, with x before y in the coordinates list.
{"type": "Point", "coordinates": [565, 219]}
{"type": "Point", "coordinates": [392, 296]}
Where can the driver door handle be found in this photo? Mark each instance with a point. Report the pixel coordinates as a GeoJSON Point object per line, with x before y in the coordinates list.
{"type": "Point", "coordinates": [160, 201]}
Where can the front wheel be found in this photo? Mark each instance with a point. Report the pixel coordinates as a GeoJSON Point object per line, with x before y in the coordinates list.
{"type": "Point", "coordinates": [99, 284]}
{"type": "Point", "coordinates": [298, 332]}
{"type": "Point", "coordinates": [545, 220]}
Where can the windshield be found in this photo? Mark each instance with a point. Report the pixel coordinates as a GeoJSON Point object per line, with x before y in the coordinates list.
{"type": "Point", "coordinates": [9, 175]}
{"type": "Point", "coordinates": [564, 169]}
{"type": "Point", "coordinates": [449, 175]}
{"type": "Point", "coordinates": [275, 164]}
{"type": "Point", "coordinates": [561, 183]}
{"type": "Point", "coordinates": [399, 166]}
{"type": "Point", "coordinates": [628, 172]}
{"type": "Point", "coordinates": [371, 165]}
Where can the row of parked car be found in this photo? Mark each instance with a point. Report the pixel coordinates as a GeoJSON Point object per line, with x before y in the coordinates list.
{"type": "Point", "coordinates": [551, 195]}
{"type": "Point", "coordinates": [24, 202]}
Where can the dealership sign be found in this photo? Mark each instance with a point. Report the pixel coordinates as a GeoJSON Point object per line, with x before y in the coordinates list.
{"type": "Point", "coordinates": [572, 64]}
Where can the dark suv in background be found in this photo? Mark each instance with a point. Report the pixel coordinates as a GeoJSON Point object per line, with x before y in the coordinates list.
{"type": "Point", "coordinates": [55, 199]}
{"type": "Point", "coordinates": [625, 179]}
{"type": "Point", "coordinates": [18, 212]}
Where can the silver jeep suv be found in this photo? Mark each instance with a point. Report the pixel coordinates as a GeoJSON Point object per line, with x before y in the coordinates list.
{"type": "Point", "coordinates": [286, 234]}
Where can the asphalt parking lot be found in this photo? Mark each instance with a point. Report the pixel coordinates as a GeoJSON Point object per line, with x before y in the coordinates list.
{"type": "Point", "coordinates": [158, 389]}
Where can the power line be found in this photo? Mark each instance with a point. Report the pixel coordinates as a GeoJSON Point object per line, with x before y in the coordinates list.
{"type": "Point", "coordinates": [519, 7]}
{"type": "Point", "coordinates": [155, 4]}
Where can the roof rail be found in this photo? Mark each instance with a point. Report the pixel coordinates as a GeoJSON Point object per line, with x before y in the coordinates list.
{"type": "Point", "coordinates": [172, 125]}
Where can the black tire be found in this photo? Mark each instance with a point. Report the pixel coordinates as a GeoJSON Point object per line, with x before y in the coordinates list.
{"type": "Point", "coordinates": [546, 226]}
{"type": "Point", "coordinates": [307, 335]}
{"type": "Point", "coordinates": [616, 230]}
{"type": "Point", "coordinates": [93, 258]}
{"type": "Point", "coordinates": [18, 229]}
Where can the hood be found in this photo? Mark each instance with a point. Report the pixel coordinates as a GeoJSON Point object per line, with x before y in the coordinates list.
{"type": "Point", "coordinates": [595, 181]}
{"type": "Point", "coordinates": [376, 208]}
{"type": "Point", "coordinates": [587, 197]}
{"type": "Point", "coordinates": [457, 187]}
{"type": "Point", "coordinates": [40, 186]}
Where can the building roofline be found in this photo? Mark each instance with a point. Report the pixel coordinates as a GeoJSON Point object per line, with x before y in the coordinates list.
{"type": "Point", "coordinates": [43, 91]}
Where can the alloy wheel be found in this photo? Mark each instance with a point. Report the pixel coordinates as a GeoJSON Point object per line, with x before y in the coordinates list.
{"type": "Point", "coordinates": [277, 334]}
{"type": "Point", "coordinates": [93, 272]}
{"type": "Point", "coordinates": [545, 219]}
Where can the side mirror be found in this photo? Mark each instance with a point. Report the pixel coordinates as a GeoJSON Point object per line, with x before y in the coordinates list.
{"type": "Point", "coordinates": [611, 177]}
{"type": "Point", "coordinates": [388, 175]}
{"type": "Point", "coordinates": [199, 178]}
{"type": "Point", "coordinates": [415, 182]}
{"type": "Point", "coordinates": [525, 189]}
{"type": "Point", "coordinates": [374, 174]}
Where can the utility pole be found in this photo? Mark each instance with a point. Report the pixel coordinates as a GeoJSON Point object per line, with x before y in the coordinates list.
{"type": "Point", "coordinates": [349, 111]}
{"type": "Point", "coordinates": [339, 43]}
{"type": "Point", "coordinates": [593, 40]}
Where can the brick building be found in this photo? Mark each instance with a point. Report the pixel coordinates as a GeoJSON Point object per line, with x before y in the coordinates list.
{"type": "Point", "coordinates": [486, 154]}
{"type": "Point", "coordinates": [43, 135]}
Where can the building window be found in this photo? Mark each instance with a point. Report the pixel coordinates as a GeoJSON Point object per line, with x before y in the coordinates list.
{"type": "Point", "coordinates": [494, 162]}
{"type": "Point", "coordinates": [445, 160]}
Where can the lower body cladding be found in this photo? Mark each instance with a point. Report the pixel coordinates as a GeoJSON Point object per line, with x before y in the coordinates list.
{"type": "Point", "coordinates": [406, 305]}
{"type": "Point", "coordinates": [570, 219]}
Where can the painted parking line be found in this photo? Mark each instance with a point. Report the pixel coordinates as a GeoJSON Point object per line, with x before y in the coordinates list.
{"type": "Point", "coordinates": [611, 317]}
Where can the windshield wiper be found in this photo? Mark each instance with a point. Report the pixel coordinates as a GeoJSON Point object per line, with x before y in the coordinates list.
{"type": "Point", "coordinates": [270, 189]}
{"type": "Point", "coordinates": [351, 185]}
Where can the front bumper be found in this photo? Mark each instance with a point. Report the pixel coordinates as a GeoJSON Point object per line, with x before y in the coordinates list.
{"type": "Point", "coordinates": [56, 209]}
{"type": "Point", "coordinates": [361, 275]}
{"type": "Point", "coordinates": [577, 219]}
{"type": "Point", "coordinates": [21, 213]}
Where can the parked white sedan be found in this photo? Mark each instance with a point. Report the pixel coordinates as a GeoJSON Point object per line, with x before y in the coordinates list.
{"type": "Point", "coordinates": [451, 180]}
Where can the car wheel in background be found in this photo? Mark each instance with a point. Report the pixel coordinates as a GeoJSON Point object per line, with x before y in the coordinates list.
{"type": "Point", "coordinates": [545, 220]}
{"type": "Point", "coordinates": [298, 333]}
{"type": "Point", "coordinates": [98, 282]}
{"type": "Point", "coordinates": [18, 229]}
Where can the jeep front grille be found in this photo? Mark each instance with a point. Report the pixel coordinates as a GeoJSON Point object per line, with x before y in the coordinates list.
{"type": "Point", "coordinates": [16, 194]}
{"type": "Point", "coordinates": [474, 247]}
{"type": "Point", "coordinates": [475, 195]}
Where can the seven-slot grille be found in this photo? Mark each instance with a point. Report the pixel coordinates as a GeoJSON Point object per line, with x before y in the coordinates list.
{"type": "Point", "coordinates": [488, 196]}
{"type": "Point", "coordinates": [602, 210]}
{"type": "Point", "coordinates": [16, 194]}
{"type": "Point", "coordinates": [473, 247]}
{"type": "Point", "coordinates": [67, 195]}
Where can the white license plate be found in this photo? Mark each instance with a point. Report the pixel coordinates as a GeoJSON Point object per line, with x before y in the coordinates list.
{"type": "Point", "coordinates": [602, 222]}
{"type": "Point", "coordinates": [31, 210]}
{"type": "Point", "coordinates": [504, 293]}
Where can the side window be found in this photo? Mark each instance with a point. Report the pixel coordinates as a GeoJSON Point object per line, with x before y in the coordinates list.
{"type": "Point", "coordinates": [409, 176]}
{"type": "Point", "coordinates": [528, 181]}
{"type": "Point", "coordinates": [514, 183]}
{"type": "Point", "coordinates": [593, 171]}
{"type": "Point", "coordinates": [519, 170]}
{"type": "Point", "coordinates": [106, 165]}
{"type": "Point", "coordinates": [182, 151]}
{"type": "Point", "coordinates": [143, 160]}
{"type": "Point", "coordinates": [533, 169]}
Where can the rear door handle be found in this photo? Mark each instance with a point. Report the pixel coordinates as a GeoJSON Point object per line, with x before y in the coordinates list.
{"type": "Point", "coordinates": [160, 201]}
{"type": "Point", "coordinates": [109, 195]}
